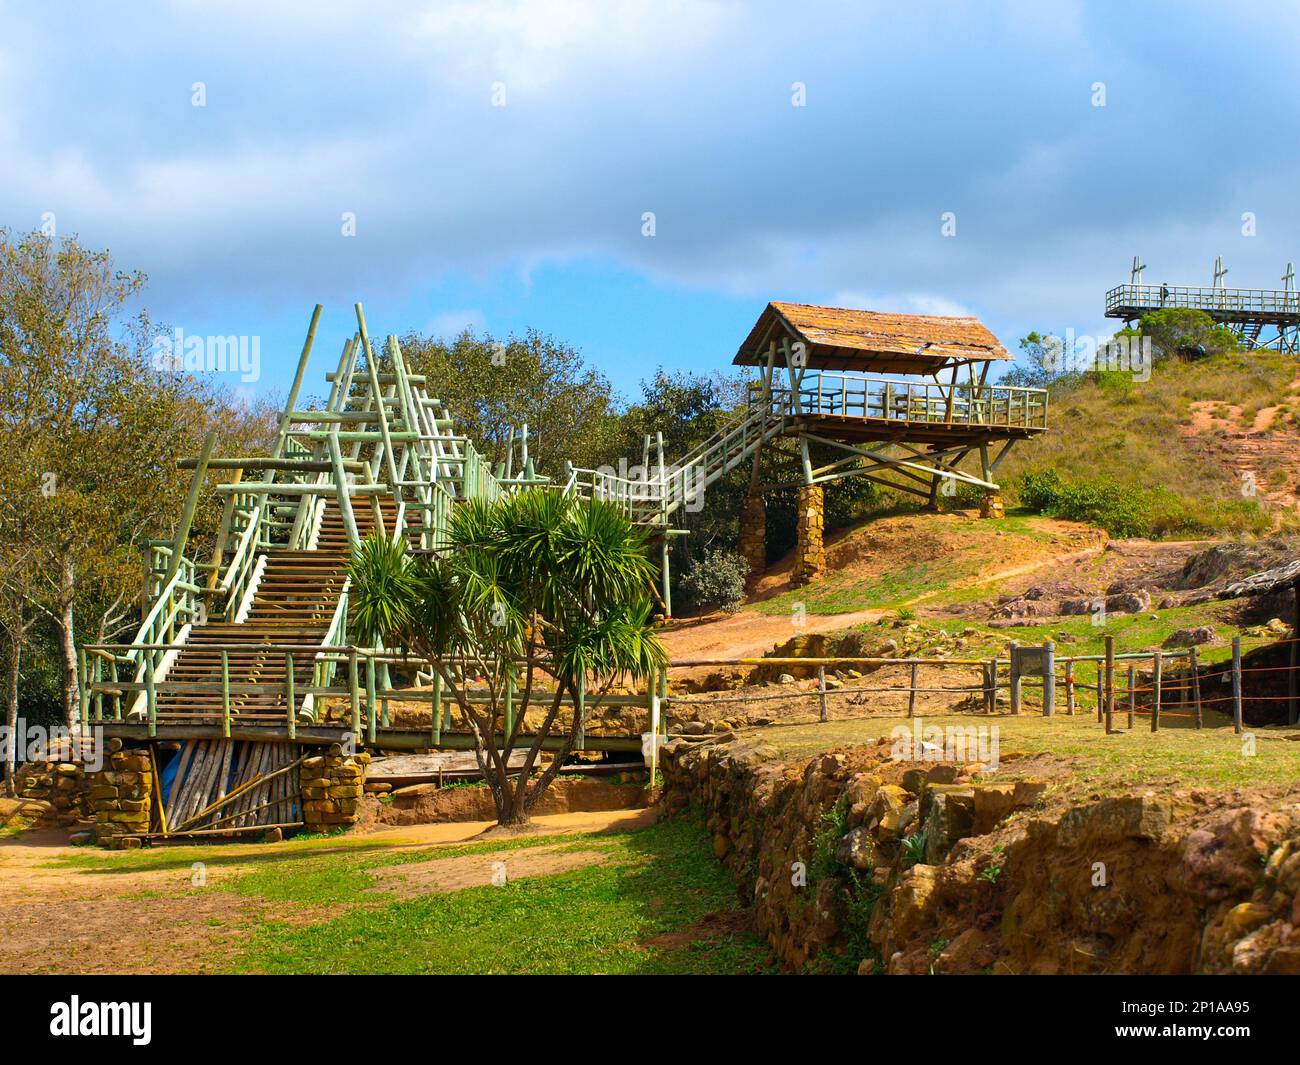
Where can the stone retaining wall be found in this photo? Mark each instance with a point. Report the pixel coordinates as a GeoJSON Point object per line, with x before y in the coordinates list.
{"type": "Point", "coordinates": [854, 861]}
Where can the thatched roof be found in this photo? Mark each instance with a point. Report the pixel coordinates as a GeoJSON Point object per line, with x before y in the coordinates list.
{"type": "Point", "coordinates": [839, 338]}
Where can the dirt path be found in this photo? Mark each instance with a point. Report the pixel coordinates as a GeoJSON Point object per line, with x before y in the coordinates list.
{"type": "Point", "coordinates": [70, 919]}
{"type": "Point", "coordinates": [1265, 453]}
{"type": "Point", "coordinates": [751, 633]}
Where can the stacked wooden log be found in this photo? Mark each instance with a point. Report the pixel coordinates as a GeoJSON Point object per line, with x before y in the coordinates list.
{"type": "Point", "coordinates": [229, 785]}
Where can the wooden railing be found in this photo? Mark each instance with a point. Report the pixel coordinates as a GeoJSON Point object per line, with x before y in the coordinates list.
{"type": "Point", "coordinates": [913, 402]}
{"type": "Point", "coordinates": [358, 675]}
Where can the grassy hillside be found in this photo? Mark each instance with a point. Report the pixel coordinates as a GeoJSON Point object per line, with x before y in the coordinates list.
{"type": "Point", "coordinates": [1164, 457]}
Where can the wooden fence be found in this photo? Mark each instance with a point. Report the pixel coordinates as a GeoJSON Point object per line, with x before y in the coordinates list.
{"type": "Point", "coordinates": [1156, 684]}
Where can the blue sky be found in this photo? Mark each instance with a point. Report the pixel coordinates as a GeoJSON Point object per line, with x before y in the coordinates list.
{"type": "Point", "coordinates": [530, 214]}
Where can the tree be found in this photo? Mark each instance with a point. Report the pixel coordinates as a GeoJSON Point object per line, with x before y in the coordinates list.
{"type": "Point", "coordinates": [1044, 362]}
{"type": "Point", "coordinates": [492, 386]}
{"type": "Point", "coordinates": [1184, 332]}
{"type": "Point", "coordinates": [93, 430]}
{"type": "Point", "coordinates": [530, 586]}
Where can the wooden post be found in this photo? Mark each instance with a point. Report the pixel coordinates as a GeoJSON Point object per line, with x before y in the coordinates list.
{"type": "Point", "coordinates": [1236, 684]}
{"type": "Point", "coordinates": [354, 693]}
{"type": "Point", "coordinates": [83, 690]}
{"type": "Point", "coordinates": [993, 685]}
{"type": "Point", "coordinates": [1293, 704]}
{"type": "Point", "coordinates": [510, 699]}
{"type": "Point", "coordinates": [289, 695]}
{"type": "Point", "coordinates": [580, 709]}
{"type": "Point", "coordinates": [1049, 678]}
{"type": "Point", "coordinates": [1069, 687]}
{"type": "Point", "coordinates": [191, 504]}
{"type": "Point", "coordinates": [1132, 693]}
{"type": "Point", "coordinates": [1101, 693]}
{"type": "Point", "coordinates": [1015, 680]}
{"type": "Point", "coordinates": [437, 708]}
{"type": "Point", "coordinates": [1157, 676]}
{"type": "Point", "coordinates": [150, 693]}
{"type": "Point", "coordinates": [821, 691]}
{"type": "Point", "coordinates": [911, 693]}
{"type": "Point", "coordinates": [1110, 684]}
{"type": "Point", "coordinates": [370, 697]}
{"type": "Point", "coordinates": [1196, 687]}
{"type": "Point", "coordinates": [225, 693]}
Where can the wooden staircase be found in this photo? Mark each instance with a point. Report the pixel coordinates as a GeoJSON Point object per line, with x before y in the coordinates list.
{"type": "Point", "coordinates": [294, 603]}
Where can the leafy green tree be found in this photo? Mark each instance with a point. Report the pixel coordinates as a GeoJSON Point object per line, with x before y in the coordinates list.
{"type": "Point", "coordinates": [494, 385]}
{"type": "Point", "coordinates": [1185, 332]}
{"type": "Point", "coordinates": [93, 429]}
{"type": "Point", "coordinates": [532, 586]}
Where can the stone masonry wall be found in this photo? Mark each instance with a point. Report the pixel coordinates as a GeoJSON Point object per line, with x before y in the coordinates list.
{"type": "Point", "coordinates": [332, 786]}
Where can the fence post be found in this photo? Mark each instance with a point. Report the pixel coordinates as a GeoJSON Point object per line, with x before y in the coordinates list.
{"type": "Point", "coordinates": [1015, 680]}
{"type": "Point", "coordinates": [911, 695]}
{"type": "Point", "coordinates": [1049, 678]}
{"type": "Point", "coordinates": [1236, 684]}
{"type": "Point", "coordinates": [1069, 686]}
{"type": "Point", "coordinates": [991, 688]}
{"type": "Point", "coordinates": [1196, 687]}
{"type": "Point", "coordinates": [1110, 684]}
{"type": "Point", "coordinates": [821, 691]}
{"type": "Point", "coordinates": [1293, 715]}
{"type": "Point", "coordinates": [1157, 677]}
{"type": "Point", "coordinates": [1101, 694]}
{"type": "Point", "coordinates": [1132, 693]}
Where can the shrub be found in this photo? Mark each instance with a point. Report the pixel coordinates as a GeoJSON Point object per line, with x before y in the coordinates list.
{"type": "Point", "coordinates": [1127, 510]}
{"type": "Point", "coordinates": [717, 579]}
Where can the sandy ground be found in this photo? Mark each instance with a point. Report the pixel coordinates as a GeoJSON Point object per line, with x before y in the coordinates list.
{"type": "Point", "coordinates": [56, 918]}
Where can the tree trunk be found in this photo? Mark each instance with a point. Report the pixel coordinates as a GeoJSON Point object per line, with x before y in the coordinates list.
{"type": "Point", "coordinates": [71, 688]}
{"type": "Point", "coordinates": [11, 714]}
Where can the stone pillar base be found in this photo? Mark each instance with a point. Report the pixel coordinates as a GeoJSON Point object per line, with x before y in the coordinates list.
{"type": "Point", "coordinates": [992, 506]}
{"type": "Point", "coordinates": [332, 784]}
{"type": "Point", "coordinates": [753, 538]}
{"type": "Point", "coordinates": [810, 551]}
{"type": "Point", "coordinates": [121, 796]}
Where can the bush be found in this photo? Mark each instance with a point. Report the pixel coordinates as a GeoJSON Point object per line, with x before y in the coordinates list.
{"type": "Point", "coordinates": [1126, 510]}
{"type": "Point", "coordinates": [717, 579]}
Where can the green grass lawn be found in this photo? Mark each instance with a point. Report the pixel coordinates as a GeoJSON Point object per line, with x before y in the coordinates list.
{"type": "Point", "coordinates": [653, 882]}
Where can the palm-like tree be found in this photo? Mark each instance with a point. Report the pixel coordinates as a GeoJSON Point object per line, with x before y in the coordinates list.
{"type": "Point", "coordinates": [532, 584]}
